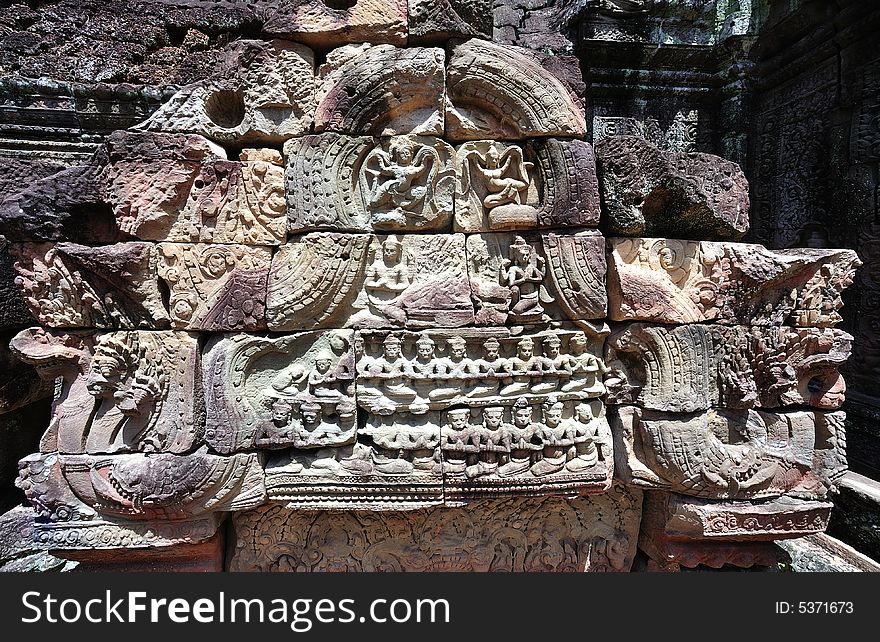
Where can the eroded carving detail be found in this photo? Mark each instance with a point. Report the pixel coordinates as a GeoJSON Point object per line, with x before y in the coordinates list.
{"type": "Point", "coordinates": [586, 533]}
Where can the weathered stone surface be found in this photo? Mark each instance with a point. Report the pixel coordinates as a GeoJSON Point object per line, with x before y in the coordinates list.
{"type": "Point", "coordinates": [280, 392]}
{"type": "Point", "coordinates": [20, 384]}
{"type": "Point", "coordinates": [326, 280]}
{"type": "Point", "coordinates": [671, 281]}
{"type": "Point", "coordinates": [77, 286]}
{"type": "Point", "coordinates": [649, 192]}
{"type": "Point", "coordinates": [856, 517]}
{"type": "Point", "coordinates": [725, 454]}
{"type": "Point", "coordinates": [504, 93]}
{"type": "Point", "coordinates": [498, 189]}
{"type": "Point", "coordinates": [359, 184]}
{"type": "Point", "coordinates": [66, 206]}
{"type": "Point", "coordinates": [695, 367]}
{"type": "Point", "coordinates": [18, 551]}
{"type": "Point", "coordinates": [176, 187]}
{"type": "Point", "coordinates": [680, 532]}
{"type": "Point", "coordinates": [266, 94]}
{"type": "Point", "coordinates": [820, 553]}
{"type": "Point", "coordinates": [533, 278]}
{"type": "Point", "coordinates": [434, 21]}
{"type": "Point", "coordinates": [116, 491]}
{"type": "Point", "coordinates": [215, 287]}
{"type": "Point", "coordinates": [381, 90]}
{"type": "Point", "coordinates": [118, 391]}
{"type": "Point", "coordinates": [323, 24]}
{"type": "Point", "coordinates": [549, 534]}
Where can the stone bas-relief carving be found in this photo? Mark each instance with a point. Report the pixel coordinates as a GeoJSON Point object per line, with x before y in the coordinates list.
{"type": "Point", "coordinates": [326, 280]}
{"type": "Point", "coordinates": [533, 278]}
{"type": "Point", "coordinates": [595, 534]}
{"type": "Point", "coordinates": [420, 376]}
{"type": "Point", "coordinates": [265, 91]}
{"type": "Point", "coordinates": [136, 500]}
{"type": "Point", "coordinates": [215, 287]}
{"type": "Point", "coordinates": [683, 531]}
{"type": "Point", "coordinates": [131, 391]}
{"type": "Point", "coordinates": [695, 367]}
{"type": "Point", "coordinates": [347, 183]}
{"type": "Point", "coordinates": [381, 90]}
{"type": "Point", "coordinates": [66, 285]}
{"type": "Point", "coordinates": [278, 392]}
{"type": "Point", "coordinates": [545, 183]}
{"type": "Point", "coordinates": [175, 187]}
{"type": "Point", "coordinates": [671, 281]}
{"type": "Point", "coordinates": [432, 21]}
{"type": "Point", "coordinates": [727, 454]}
{"type": "Point", "coordinates": [504, 93]}
{"type": "Point", "coordinates": [649, 192]}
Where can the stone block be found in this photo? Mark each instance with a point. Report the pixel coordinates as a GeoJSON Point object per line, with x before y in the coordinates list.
{"type": "Point", "coordinates": [175, 187]}
{"type": "Point", "coordinates": [547, 182]}
{"type": "Point", "coordinates": [293, 391]}
{"type": "Point", "coordinates": [435, 21]}
{"type": "Point", "coordinates": [320, 23]}
{"type": "Point", "coordinates": [130, 391]}
{"type": "Point", "coordinates": [78, 286]}
{"type": "Point", "coordinates": [265, 93]}
{"type": "Point", "coordinates": [215, 287]}
{"type": "Point", "coordinates": [327, 280]}
{"type": "Point", "coordinates": [683, 195]}
{"type": "Point", "coordinates": [360, 184]}
{"type": "Point", "coordinates": [398, 91]}
{"type": "Point", "coordinates": [724, 454]}
{"type": "Point", "coordinates": [502, 92]}
{"type": "Point", "coordinates": [596, 533]}
{"type": "Point", "coordinates": [695, 366]}
{"type": "Point", "coordinates": [671, 281]}
{"type": "Point", "coordinates": [537, 277]}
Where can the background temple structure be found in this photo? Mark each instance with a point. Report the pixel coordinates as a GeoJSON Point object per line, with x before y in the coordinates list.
{"type": "Point", "coordinates": [531, 285]}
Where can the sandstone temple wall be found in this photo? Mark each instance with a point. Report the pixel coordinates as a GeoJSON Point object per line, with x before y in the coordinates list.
{"type": "Point", "coordinates": [394, 285]}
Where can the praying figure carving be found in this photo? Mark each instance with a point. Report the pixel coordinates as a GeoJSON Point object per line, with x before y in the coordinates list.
{"type": "Point", "coordinates": [524, 273]}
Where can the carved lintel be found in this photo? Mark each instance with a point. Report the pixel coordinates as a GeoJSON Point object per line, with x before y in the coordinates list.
{"type": "Point", "coordinates": [596, 533]}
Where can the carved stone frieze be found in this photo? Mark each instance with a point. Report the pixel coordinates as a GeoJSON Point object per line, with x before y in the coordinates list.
{"type": "Point", "coordinates": [727, 454]}
{"type": "Point", "coordinates": [326, 280]}
{"type": "Point", "coordinates": [671, 281]}
{"type": "Point", "coordinates": [265, 92]}
{"type": "Point", "coordinates": [533, 278]}
{"type": "Point", "coordinates": [505, 93]}
{"type": "Point", "coordinates": [346, 183]}
{"type": "Point", "coordinates": [215, 287]}
{"type": "Point", "coordinates": [596, 533]}
{"type": "Point", "coordinates": [649, 192]}
{"type": "Point", "coordinates": [66, 285]}
{"type": "Point", "coordinates": [131, 391]}
{"type": "Point", "coordinates": [381, 90]}
{"type": "Point", "coordinates": [695, 366]}
{"type": "Point", "coordinates": [280, 392]}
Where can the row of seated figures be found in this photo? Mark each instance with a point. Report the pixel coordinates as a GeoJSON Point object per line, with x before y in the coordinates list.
{"type": "Point", "coordinates": [522, 440]}
{"type": "Point", "coordinates": [391, 382]}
